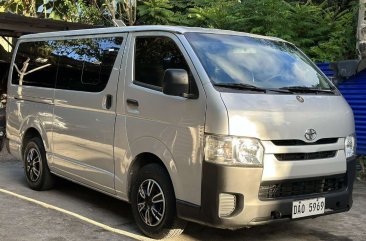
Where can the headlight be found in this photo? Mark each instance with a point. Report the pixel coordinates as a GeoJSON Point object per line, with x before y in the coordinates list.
{"type": "Point", "coordinates": [350, 146]}
{"type": "Point", "coordinates": [231, 150]}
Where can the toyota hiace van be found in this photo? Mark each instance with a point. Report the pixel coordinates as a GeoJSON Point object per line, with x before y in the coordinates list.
{"type": "Point", "coordinates": [222, 128]}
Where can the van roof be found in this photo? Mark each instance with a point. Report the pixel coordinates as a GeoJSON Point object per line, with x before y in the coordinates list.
{"type": "Point", "coordinates": [173, 29]}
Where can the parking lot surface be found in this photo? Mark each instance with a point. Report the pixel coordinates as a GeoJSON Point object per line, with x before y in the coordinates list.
{"type": "Point", "coordinates": [72, 212]}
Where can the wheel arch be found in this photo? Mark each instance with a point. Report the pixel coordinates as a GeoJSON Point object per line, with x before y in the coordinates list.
{"type": "Point", "coordinates": [27, 135]}
{"type": "Point", "coordinates": [139, 162]}
{"type": "Point", "coordinates": [150, 150]}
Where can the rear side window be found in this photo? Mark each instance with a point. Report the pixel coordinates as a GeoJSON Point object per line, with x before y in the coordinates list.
{"type": "Point", "coordinates": [35, 64]}
{"type": "Point", "coordinates": [76, 64]}
{"type": "Point", "coordinates": [86, 64]}
{"type": "Point", "coordinates": [154, 55]}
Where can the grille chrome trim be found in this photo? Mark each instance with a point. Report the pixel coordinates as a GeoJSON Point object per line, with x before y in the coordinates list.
{"type": "Point", "coordinates": [299, 187]}
{"type": "Point", "coordinates": [305, 156]}
{"type": "Point", "coordinates": [271, 148]}
{"type": "Point", "coordinates": [303, 143]}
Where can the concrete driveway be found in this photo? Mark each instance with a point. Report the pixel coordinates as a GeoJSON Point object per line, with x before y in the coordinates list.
{"type": "Point", "coordinates": [72, 212]}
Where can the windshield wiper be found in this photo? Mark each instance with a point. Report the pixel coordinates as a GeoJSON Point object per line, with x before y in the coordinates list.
{"type": "Point", "coordinates": [240, 86]}
{"type": "Point", "coordinates": [303, 89]}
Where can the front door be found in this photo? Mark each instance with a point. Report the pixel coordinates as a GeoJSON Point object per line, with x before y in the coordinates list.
{"type": "Point", "coordinates": [174, 121]}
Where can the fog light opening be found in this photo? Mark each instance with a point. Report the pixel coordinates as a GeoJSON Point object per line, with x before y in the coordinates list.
{"type": "Point", "coordinates": [227, 204]}
{"type": "Point", "coordinates": [276, 215]}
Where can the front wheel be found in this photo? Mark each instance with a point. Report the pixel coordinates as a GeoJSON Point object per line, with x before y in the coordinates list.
{"type": "Point", "coordinates": [36, 170]}
{"type": "Point", "coordinates": [153, 203]}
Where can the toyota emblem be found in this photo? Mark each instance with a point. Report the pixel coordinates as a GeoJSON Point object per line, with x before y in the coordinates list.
{"type": "Point", "coordinates": [310, 134]}
{"type": "Point", "coordinates": [300, 99]}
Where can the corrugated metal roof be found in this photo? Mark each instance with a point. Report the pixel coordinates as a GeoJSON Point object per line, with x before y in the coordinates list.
{"type": "Point", "coordinates": [354, 91]}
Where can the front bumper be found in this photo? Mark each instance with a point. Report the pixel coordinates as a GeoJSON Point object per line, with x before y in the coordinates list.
{"type": "Point", "coordinates": [244, 183]}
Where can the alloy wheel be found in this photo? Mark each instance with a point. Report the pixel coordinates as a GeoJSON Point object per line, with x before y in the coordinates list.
{"type": "Point", "coordinates": [151, 202]}
{"type": "Point", "coordinates": [33, 162]}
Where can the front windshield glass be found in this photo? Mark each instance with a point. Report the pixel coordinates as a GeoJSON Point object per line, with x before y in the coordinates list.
{"type": "Point", "coordinates": [263, 63]}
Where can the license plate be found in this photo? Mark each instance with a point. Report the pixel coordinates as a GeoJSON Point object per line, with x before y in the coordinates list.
{"type": "Point", "coordinates": [309, 207]}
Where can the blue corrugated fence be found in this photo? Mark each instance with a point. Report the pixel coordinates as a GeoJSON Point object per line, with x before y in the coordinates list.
{"type": "Point", "coordinates": [354, 91]}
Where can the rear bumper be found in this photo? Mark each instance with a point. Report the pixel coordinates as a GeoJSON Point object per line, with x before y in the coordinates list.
{"type": "Point", "coordinates": [244, 183]}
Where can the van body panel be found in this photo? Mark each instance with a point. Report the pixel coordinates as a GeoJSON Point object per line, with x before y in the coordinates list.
{"type": "Point", "coordinates": [217, 121]}
{"type": "Point", "coordinates": [282, 116]}
{"type": "Point", "coordinates": [15, 149]}
{"type": "Point", "coordinates": [122, 157]}
{"type": "Point", "coordinates": [121, 143]}
{"type": "Point", "coordinates": [176, 136]}
{"type": "Point", "coordinates": [20, 121]}
{"type": "Point", "coordinates": [83, 147]}
{"type": "Point", "coordinates": [26, 112]}
{"type": "Point", "coordinates": [181, 133]}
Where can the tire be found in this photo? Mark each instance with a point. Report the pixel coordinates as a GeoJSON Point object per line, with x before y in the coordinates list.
{"type": "Point", "coordinates": [155, 218]}
{"type": "Point", "coordinates": [36, 170]}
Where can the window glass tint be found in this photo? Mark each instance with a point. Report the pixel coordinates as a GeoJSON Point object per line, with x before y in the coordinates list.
{"type": "Point", "coordinates": [36, 64]}
{"type": "Point", "coordinates": [86, 64]}
{"type": "Point", "coordinates": [154, 55]}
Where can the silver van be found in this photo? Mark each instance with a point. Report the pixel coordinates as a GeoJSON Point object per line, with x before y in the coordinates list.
{"type": "Point", "coordinates": [221, 128]}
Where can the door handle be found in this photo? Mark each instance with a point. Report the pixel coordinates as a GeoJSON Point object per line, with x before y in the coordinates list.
{"type": "Point", "coordinates": [107, 102]}
{"type": "Point", "coordinates": [132, 102]}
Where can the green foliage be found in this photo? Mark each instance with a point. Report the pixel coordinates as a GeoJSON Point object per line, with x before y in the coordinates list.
{"type": "Point", "coordinates": [24, 7]}
{"type": "Point", "coordinates": [155, 12]}
{"type": "Point", "coordinates": [341, 40]}
{"type": "Point", "coordinates": [323, 29]}
{"type": "Point", "coordinates": [68, 10]}
{"type": "Point", "coordinates": [77, 11]}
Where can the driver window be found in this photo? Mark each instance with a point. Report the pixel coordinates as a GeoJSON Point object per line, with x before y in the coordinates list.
{"type": "Point", "coordinates": [154, 55]}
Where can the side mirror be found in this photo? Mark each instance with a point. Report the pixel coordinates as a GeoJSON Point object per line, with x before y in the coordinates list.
{"type": "Point", "coordinates": [176, 83]}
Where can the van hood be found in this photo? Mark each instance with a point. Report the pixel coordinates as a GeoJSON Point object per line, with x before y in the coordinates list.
{"type": "Point", "coordinates": [280, 117]}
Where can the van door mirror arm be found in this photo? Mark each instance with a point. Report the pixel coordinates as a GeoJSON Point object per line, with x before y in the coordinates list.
{"type": "Point", "coordinates": [189, 96]}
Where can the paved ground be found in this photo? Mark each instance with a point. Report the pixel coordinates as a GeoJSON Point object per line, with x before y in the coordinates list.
{"type": "Point", "coordinates": [23, 220]}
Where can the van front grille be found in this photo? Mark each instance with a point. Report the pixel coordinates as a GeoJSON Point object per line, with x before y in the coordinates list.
{"type": "Point", "coordinates": [297, 187]}
{"type": "Point", "coordinates": [305, 156]}
{"type": "Point", "coordinates": [303, 143]}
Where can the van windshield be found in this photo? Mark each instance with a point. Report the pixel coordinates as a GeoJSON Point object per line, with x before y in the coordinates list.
{"type": "Point", "coordinates": [257, 64]}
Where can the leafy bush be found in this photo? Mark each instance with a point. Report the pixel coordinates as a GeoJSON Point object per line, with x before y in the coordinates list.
{"type": "Point", "coordinates": [324, 32]}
